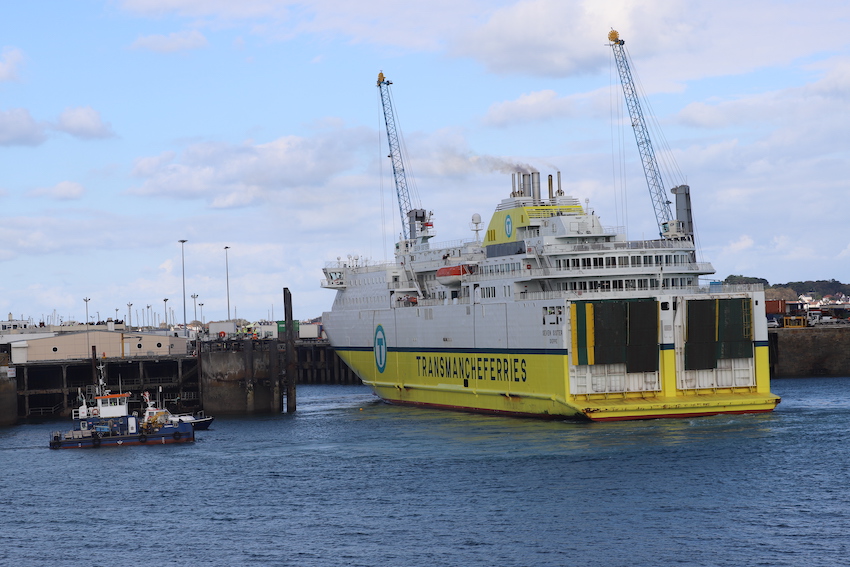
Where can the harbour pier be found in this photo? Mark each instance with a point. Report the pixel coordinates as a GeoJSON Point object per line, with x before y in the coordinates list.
{"type": "Point", "coordinates": [218, 377]}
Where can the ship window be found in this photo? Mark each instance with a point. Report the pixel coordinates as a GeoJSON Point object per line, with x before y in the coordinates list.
{"type": "Point", "coordinates": [585, 262]}
{"type": "Point", "coordinates": [622, 260]}
{"type": "Point", "coordinates": [631, 284]}
{"type": "Point", "coordinates": [574, 262]}
{"type": "Point", "coordinates": [636, 261]}
{"type": "Point", "coordinates": [643, 284]}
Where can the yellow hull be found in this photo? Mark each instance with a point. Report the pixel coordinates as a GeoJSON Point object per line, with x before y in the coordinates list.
{"type": "Point", "coordinates": [538, 385]}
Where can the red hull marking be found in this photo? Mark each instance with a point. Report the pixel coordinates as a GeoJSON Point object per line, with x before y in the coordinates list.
{"type": "Point", "coordinates": [581, 417]}
{"type": "Point", "coordinates": [482, 411]}
{"type": "Point", "coordinates": [680, 415]}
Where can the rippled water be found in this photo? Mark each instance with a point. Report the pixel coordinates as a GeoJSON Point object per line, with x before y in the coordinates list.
{"type": "Point", "coordinates": [348, 480]}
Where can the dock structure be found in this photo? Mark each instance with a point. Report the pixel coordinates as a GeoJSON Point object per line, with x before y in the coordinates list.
{"type": "Point", "coordinates": [220, 377]}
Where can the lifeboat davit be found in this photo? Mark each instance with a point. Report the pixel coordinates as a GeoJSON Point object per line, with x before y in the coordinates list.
{"type": "Point", "coordinates": [452, 275]}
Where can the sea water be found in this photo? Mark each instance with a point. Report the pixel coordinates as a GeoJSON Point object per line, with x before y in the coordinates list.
{"type": "Point", "coordinates": [348, 480]}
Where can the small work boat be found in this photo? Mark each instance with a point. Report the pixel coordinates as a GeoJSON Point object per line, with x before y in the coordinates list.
{"type": "Point", "coordinates": [199, 420]}
{"type": "Point", "coordinates": [104, 420]}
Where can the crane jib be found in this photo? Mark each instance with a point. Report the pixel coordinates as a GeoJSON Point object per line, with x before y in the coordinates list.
{"type": "Point", "coordinates": [399, 175]}
{"type": "Point", "coordinates": [660, 203]}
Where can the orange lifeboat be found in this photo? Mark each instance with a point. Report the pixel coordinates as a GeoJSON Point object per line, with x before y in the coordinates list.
{"type": "Point", "coordinates": [452, 275]}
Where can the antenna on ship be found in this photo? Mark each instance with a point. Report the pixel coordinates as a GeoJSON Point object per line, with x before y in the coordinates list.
{"type": "Point", "coordinates": [475, 225]}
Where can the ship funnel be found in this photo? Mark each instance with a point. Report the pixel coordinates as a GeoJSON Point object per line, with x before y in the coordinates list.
{"type": "Point", "coordinates": [551, 189]}
{"type": "Point", "coordinates": [526, 185]}
{"type": "Point", "coordinates": [535, 186]}
{"type": "Point", "coordinates": [513, 184]}
{"type": "Point", "coordinates": [683, 208]}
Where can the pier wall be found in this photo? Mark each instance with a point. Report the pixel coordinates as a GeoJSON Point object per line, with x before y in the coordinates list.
{"type": "Point", "coordinates": [237, 378]}
{"type": "Point", "coordinates": [810, 351]}
{"type": "Point", "coordinates": [8, 400]}
{"type": "Point", "coordinates": [227, 377]}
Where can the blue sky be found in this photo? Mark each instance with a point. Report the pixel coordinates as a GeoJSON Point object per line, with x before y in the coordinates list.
{"type": "Point", "coordinates": [127, 125]}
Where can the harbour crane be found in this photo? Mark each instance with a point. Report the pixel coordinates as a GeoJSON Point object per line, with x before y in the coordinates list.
{"type": "Point", "coordinates": [668, 226]}
{"type": "Point", "coordinates": [409, 215]}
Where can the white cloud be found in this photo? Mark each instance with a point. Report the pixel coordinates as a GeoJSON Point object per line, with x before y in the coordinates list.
{"type": "Point", "coordinates": [540, 105]}
{"type": "Point", "coordinates": [744, 242]}
{"type": "Point", "coordinates": [10, 59]}
{"type": "Point", "coordinates": [411, 25]}
{"type": "Point", "coordinates": [18, 128]}
{"type": "Point", "coordinates": [84, 122]}
{"type": "Point", "coordinates": [62, 191]}
{"type": "Point", "coordinates": [177, 41]}
{"type": "Point", "coordinates": [228, 176]}
{"type": "Point", "coordinates": [225, 9]}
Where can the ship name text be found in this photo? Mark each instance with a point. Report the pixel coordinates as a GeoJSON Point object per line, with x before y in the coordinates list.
{"type": "Point", "coordinates": [472, 368]}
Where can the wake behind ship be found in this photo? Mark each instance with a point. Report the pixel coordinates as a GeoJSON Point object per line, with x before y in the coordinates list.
{"type": "Point", "coordinates": [551, 315]}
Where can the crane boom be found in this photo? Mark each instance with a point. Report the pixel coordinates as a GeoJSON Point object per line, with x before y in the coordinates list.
{"type": "Point", "coordinates": [403, 194]}
{"type": "Point", "coordinates": [647, 155]}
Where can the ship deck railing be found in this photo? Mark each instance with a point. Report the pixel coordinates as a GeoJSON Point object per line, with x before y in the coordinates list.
{"type": "Point", "coordinates": [655, 271]}
{"type": "Point", "coordinates": [691, 290]}
{"type": "Point", "coordinates": [665, 244]}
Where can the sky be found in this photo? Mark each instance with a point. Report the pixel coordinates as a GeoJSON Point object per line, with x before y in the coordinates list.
{"type": "Point", "coordinates": [253, 130]}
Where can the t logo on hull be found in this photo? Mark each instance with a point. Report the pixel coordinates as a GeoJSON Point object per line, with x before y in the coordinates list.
{"type": "Point", "coordinates": [380, 348]}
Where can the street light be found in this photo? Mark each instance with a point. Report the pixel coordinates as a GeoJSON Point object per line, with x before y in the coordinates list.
{"type": "Point", "coordinates": [149, 315]}
{"type": "Point", "coordinates": [183, 262]}
{"type": "Point", "coordinates": [167, 335]}
{"type": "Point", "coordinates": [87, 299]}
{"type": "Point", "coordinates": [227, 280]}
{"type": "Point", "coordinates": [130, 314]}
{"type": "Point", "coordinates": [202, 315]}
{"type": "Point", "coordinates": [195, 301]}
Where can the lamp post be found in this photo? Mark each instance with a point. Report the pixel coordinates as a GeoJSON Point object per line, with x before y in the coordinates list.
{"type": "Point", "coordinates": [130, 315]}
{"type": "Point", "coordinates": [227, 280]}
{"type": "Point", "coordinates": [88, 346]}
{"type": "Point", "coordinates": [202, 315]}
{"type": "Point", "coordinates": [149, 315]}
{"type": "Point", "coordinates": [195, 301]}
{"type": "Point", "coordinates": [165, 312]}
{"type": "Point", "coordinates": [183, 263]}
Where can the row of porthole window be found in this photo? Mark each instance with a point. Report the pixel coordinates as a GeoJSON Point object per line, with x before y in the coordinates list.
{"type": "Point", "coordinates": [158, 345]}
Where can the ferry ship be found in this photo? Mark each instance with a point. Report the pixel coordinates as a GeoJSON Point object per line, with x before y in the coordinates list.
{"type": "Point", "coordinates": [551, 315]}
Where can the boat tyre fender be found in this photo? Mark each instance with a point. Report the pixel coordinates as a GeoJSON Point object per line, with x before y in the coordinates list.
{"type": "Point", "coordinates": [177, 435]}
{"type": "Point", "coordinates": [95, 442]}
{"type": "Point", "coordinates": [55, 444]}
{"type": "Point", "coordinates": [143, 438]}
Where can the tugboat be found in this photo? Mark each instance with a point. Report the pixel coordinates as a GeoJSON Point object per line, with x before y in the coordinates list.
{"type": "Point", "coordinates": [199, 420]}
{"type": "Point", "coordinates": [104, 420]}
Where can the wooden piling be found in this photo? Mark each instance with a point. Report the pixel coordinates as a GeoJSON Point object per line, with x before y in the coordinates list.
{"type": "Point", "coordinates": [291, 355]}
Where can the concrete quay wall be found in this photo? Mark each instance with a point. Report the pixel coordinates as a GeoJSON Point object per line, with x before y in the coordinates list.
{"type": "Point", "coordinates": [810, 351]}
{"type": "Point", "coordinates": [239, 377]}
{"type": "Point", "coordinates": [8, 400]}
